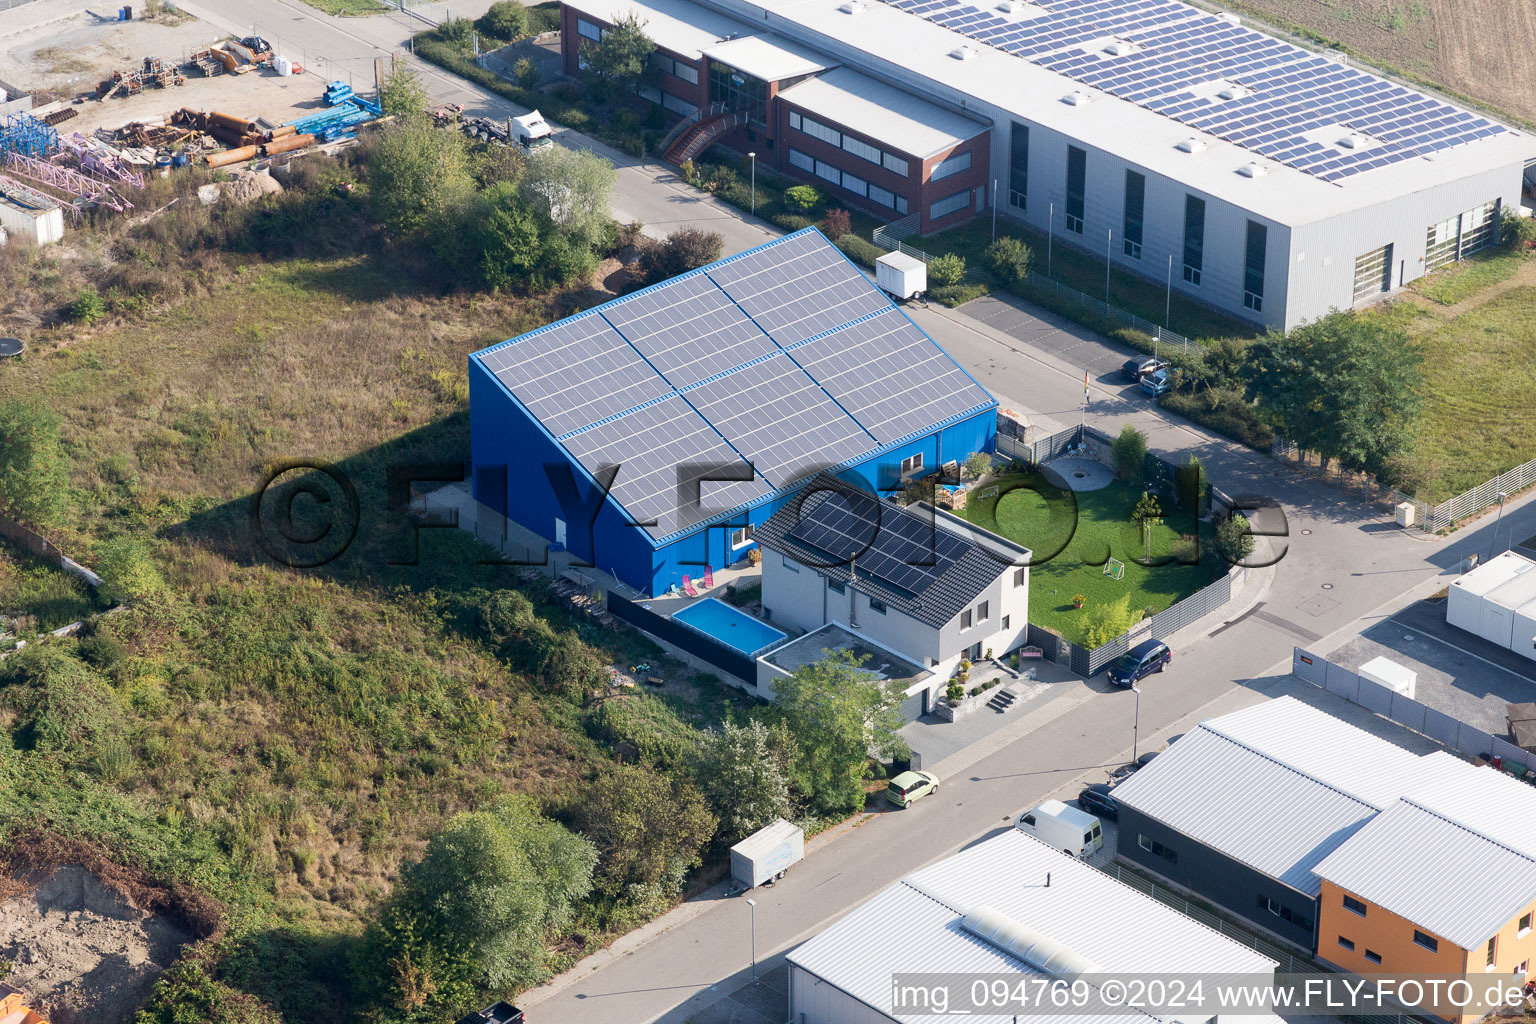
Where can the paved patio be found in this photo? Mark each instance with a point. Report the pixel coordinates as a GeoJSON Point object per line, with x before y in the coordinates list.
{"type": "Point", "coordinates": [936, 739]}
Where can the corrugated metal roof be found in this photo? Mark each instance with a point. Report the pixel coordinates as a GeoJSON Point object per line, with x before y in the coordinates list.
{"type": "Point", "coordinates": [1481, 799]}
{"type": "Point", "coordinates": [1254, 809]}
{"type": "Point", "coordinates": [1447, 879]}
{"type": "Point", "coordinates": [1515, 593]}
{"type": "Point", "coordinates": [895, 118]}
{"type": "Point", "coordinates": [915, 926]}
{"type": "Point", "coordinates": [1493, 573]}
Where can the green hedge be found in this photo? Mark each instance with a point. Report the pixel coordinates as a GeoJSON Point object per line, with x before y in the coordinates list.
{"type": "Point", "coordinates": [1227, 414]}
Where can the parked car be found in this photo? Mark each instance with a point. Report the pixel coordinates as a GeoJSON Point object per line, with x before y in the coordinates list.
{"type": "Point", "coordinates": [1157, 383]}
{"type": "Point", "coordinates": [1142, 660]}
{"type": "Point", "coordinates": [1145, 759]}
{"type": "Point", "coordinates": [1098, 799]}
{"type": "Point", "coordinates": [499, 1013]}
{"type": "Point", "coordinates": [1074, 832]}
{"type": "Point", "coordinates": [1135, 369]}
{"type": "Point", "coordinates": [910, 786]}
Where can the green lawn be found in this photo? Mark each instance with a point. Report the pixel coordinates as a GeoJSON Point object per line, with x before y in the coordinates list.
{"type": "Point", "coordinates": [349, 8]}
{"type": "Point", "coordinates": [1461, 281]}
{"type": "Point", "coordinates": [1103, 529]}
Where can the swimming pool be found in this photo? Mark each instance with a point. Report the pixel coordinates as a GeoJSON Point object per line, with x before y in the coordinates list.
{"type": "Point", "coordinates": [737, 630]}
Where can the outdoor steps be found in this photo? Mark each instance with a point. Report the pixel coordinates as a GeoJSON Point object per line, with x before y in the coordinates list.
{"type": "Point", "coordinates": [1002, 700]}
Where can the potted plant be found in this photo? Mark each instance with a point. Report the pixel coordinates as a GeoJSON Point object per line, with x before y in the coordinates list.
{"type": "Point", "coordinates": [988, 655]}
{"type": "Point", "coordinates": [1078, 600]}
{"type": "Point", "coordinates": [1013, 660]}
{"type": "Point", "coordinates": [755, 556]}
{"type": "Point", "coordinates": [955, 692]}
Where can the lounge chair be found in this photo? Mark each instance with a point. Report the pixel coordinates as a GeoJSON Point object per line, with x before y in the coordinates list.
{"type": "Point", "coordinates": [709, 577]}
{"type": "Point", "coordinates": [688, 587]}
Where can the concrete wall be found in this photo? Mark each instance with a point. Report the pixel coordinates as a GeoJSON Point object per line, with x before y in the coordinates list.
{"type": "Point", "coordinates": [814, 1001]}
{"type": "Point", "coordinates": [1220, 879]}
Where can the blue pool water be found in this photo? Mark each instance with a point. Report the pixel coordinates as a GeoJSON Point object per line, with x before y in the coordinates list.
{"type": "Point", "coordinates": [716, 619]}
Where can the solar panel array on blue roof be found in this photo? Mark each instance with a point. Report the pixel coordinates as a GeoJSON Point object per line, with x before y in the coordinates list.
{"type": "Point", "coordinates": [1175, 50]}
{"type": "Point", "coordinates": [768, 366]}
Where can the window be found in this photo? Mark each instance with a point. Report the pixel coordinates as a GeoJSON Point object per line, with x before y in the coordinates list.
{"type": "Point", "coordinates": [1020, 577]}
{"type": "Point", "coordinates": [817, 130]}
{"type": "Point", "coordinates": [836, 587]}
{"type": "Point", "coordinates": [829, 172]}
{"type": "Point", "coordinates": [677, 104]}
{"type": "Point", "coordinates": [794, 120]}
{"type": "Point", "coordinates": [589, 30]}
{"type": "Point", "coordinates": [742, 537]}
{"type": "Point", "coordinates": [1253, 266]}
{"type": "Point", "coordinates": [1156, 848]}
{"type": "Point", "coordinates": [792, 566]}
{"type": "Point", "coordinates": [801, 160]}
{"type": "Point", "coordinates": [1373, 273]}
{"type": "Point", "coordinates": [1273, 906]}
{"type": "Point", "coordinates": [911, 463]}
{"type": "Point", "coordinates": [1347, 943]}
{"type": "Point", "coordinates": [983, 611]}
{"type": "Point", "coordinates": [860, 148]}
{"type": "Point", "coordinates": [1523, 968]}
{"type": "Point", "coordinates": [1429, 943]}
{"type": "Point", "coordinates": [1493, 951]}
{"type": "Point", "coordinates": [1373, 956]}
{"type": "Point", "coordinates": [1077, 184]}
{"type": "Point", "coordinates": [1354, 906]}
{"type": "Point", "coordinates": [1135, 206]}
{"type": "Point", "coordinates": [877, 606]}
{"type": "Point", "coordinates": [1005, 621]}
{"type": "Point", "coordinates": [737, 90]}
{"type": "Point", "coordinates": [1525, 925]}
{"type": "Point", "coordinates": [858, 186]}
{"type": "Point", "coordinates": [952, 165]}
{"type": "Point", "coordinates": [1018, 165]}
{"type": "Point", "coordinates": [885, 197]}
{"type": "Point", "coordinates": [950, 204]}
{"type": "Point", "coordinates": [676, 68]}
{"type": "Point", "coordinates": [1194, 239]}
{"type": "Point", "coordinates": [895, 164]}
{"type": "Point", "coordinates": [965, 619]}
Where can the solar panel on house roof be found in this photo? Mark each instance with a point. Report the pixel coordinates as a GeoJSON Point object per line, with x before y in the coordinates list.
{"type": "Point", "coordinates": [1291, 91]}
{"type": "Point", "coordinates": [693, 373]}
{"type": "Point", "coordinates": [854, 528]}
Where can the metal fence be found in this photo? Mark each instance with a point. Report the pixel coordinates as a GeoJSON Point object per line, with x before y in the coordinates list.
{"type": "Point", "coordinates": [1405, 711]}
{"type": "Point", "coordinates": [726, 659]}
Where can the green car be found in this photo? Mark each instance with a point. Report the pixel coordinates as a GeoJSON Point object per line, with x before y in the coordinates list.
{"type": "Point", "coordinates": [908, 786]}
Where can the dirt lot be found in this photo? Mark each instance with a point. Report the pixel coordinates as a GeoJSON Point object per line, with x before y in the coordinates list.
{"type": "Point", "coordinates": [81, 952]}
{"type": "Point", "coordinates": [1480, 48]}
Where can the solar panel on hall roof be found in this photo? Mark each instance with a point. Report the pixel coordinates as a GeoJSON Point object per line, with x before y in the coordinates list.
{"type": "Point", "coordinates": [693, 373]}
{"type": "Point", "coordinates": [1180, 47]}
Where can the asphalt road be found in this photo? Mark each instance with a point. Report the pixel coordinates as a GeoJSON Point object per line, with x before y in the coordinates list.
{"type": "Point", "coordinates": [1343, 567]}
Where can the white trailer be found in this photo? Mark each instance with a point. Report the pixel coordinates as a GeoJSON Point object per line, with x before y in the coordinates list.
{"type": "Point", "coordinates": [1466, 603]}
{"type": "Point", "coordinates": [901, 276]}
{"type": "Point", "coordinates": [767, 853]}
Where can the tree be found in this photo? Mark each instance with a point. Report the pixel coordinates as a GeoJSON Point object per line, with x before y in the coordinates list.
{"type": "Point", "coordinates": [621, 57]}
{"type": "Point", "coordinates": [1147, 514]}
{"type": "Point", "coordinates": [838, 712]}
{"type": "Point", "coordinates": [504, 19]}
{"type": "Point", "coordinates": [801, 198]}
{"type": "Point", "coordinates": [526, 73]}
{"type": "Point", "coordinates": [945, 270]}
{"type": "Point", "coordinates": [1345, 386]}
{"type": "Point", "coordinates": [648, 829]}
{"type": "Point", "coordinates": [978, 464]}
{"type": "Point", "coordinates": [34, 472]}
{"type": "Point", "coordinates": [1009, 259]}
{"type": "Point", "coordinates": [418, 177]}
{"type": "Point", "coordinates": [1234, 538]}
{"type": "Point", "coordinates": [744, 774]}
{"type": "Point", "coordinates": [1128, 451]}
{"type": "Point", "coordinates": [477, 909]}
{"type": "Point", "coordinates": [129, 574]}
{"type": "Point", "coordinates": [402, 93]}
{"type": "Point", "coordinates": [572, 188]}
{"type": "Point", "coordinates": [511, 239]}
{"type": "Point", "coordinates": [679, 253]}
{"type": "Point", "coordinates": [1103, 622]}
{"type": "Point", "coordinates": [836, 223]}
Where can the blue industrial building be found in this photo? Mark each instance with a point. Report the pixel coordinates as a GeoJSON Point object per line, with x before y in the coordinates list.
{"type": "Point", "coordinates": [651, 435]}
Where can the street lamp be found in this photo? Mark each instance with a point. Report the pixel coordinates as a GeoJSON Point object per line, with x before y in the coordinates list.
{"type": "Point", "coordinates": [1136, 723]}
{"type": "Point", "coordinates": [753, 158]}
{"type": "Point", "coordinates": [753, 905]}
{"type": "Point", "coordinates": [1496, 521]}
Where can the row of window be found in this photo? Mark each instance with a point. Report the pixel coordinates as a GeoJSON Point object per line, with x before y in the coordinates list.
{"type": "Point", "coordinates": [852, 182]}
{"type": "Point", "coordinates": [676, 68]}
{"type": "Point", "coordinates": [676, 104]}
{"type": "Point", "coordinates": [982, 613]}
{"type": "Point", "coordinates": [950, 166]}
{"type": "Point", "coordinates": [858, 147]}
{"type": "Point", "coordinates": [1156, 848]}
{"type": "Point", "coordinates": [1285, 913]}
{"type": "Point", "coordinates": [588, 30]}
{"type": "Point", "coordinates": [950, 204]}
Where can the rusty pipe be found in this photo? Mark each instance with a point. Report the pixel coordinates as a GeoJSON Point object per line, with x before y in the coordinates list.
{"type": "Point", "coordinates": [286, 145]}
{"type": "Point", "coordinates": [231, 156]}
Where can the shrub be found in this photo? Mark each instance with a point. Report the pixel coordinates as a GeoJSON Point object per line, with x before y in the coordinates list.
{"type": "Point", "coordinates": [525, 72]}
{"type": "Point", "coordinates": [859, 250]}
{"type": "Point", "coordinates": [1224, 410]}
{"type": "Point", "coordinates": [790, 221]}
{"type": "Point", "coordinates": [801, 198]}
{"type": "Point", "coordinates": [663, 739]}
{"type": "Point", "coordinates": [1234, 538]}
{"type": "Point", "coordinates": [1008, 258]}
{"type": "Point", "coordinates": [688, 171]}
{"type": "Point", "coordinates": [945, 270]}
{"type": "Point", "coordinates": [679, 253]}
{"type": "Point", "coordinates": [88, 306]}
{"type": "Point", "coordinates": [836, 223]}
{"type": "Point", "coordinates": [955, 691]}
{"type": "Point", "coordinates": [1518, 232]}
{"type": "Point", "coordinates": [457, 32]}
{"type": "Point", "coordinates": [1128, 451]}
{"type": "Point", "coordinates": [1104, 622]}
{"type": "Point", "coordinates": [506, 19]}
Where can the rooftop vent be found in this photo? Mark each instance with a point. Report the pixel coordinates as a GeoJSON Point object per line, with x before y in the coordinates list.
{"type": "Point", "coordinates": [1253, 170]}
{"type": "Point", "coordinates": [1191, 145]}
{"type": "Point", "coordinates": [963, 52]}
{"type": "Point", "coordinates": [1077, 98]}
{"type": "Point", "coordinates": [854, 7]}
{"type": "Point", "coordinates": [1020, 9]}
{"type": "Point", "coordinates": [1037, 950]}
{"type": "Point", "coordinates": [1121, 48]}
{"type": "Point", "coordinates": [1233, 92]}
{"type": "Point", "coordinates": [1354, 141]}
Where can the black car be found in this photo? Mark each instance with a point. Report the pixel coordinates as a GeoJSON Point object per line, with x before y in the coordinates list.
{"type": "Point", "coordinates": [1142, 660]}
{"type": "Point", "coordinates": [1099, 799]}
{"type": "Point", "coordinates": [499, 1013]}
{"type": "Point", "coordinates": [1141, 366]}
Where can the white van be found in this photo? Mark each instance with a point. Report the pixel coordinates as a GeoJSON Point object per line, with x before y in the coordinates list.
{"type": "Point", "coordinates": [1074, 832]}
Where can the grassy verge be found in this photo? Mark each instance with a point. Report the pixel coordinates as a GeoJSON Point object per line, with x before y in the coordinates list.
{"type": "Point", "coordinates": [35, 596]}
{"type": "Point", "coordinates": [1462, 281]}
{"type": "Point", "coordinates": [349, 8]}
{"type": "Point", "coordinates": [1101, 529]}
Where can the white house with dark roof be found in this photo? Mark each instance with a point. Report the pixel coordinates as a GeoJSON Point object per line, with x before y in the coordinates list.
{"type": "Point", "coordinates": [916, 580]}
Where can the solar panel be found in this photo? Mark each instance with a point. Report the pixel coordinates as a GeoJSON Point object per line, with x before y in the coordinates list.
{"type": "Point", "coordinates": [574, 373]}
{"type": "Point", "coordinates": [779, 418]}
{"type": "Point", "coordinates": [852, 528]}
{"type": "Point", "coordinates": [889, 375]}
{"type": "Point", "coordinates": [663, 451]}
{"type": "Point", "coordinates": [798, 288]}
{"type": "Point", "coordinates": [689, 330]}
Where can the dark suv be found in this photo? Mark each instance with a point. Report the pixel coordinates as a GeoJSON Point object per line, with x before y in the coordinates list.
{"type": "Point", "coordinates": [1142, 660]}
{"type": "Point", "coordinates": [1135, 369]}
